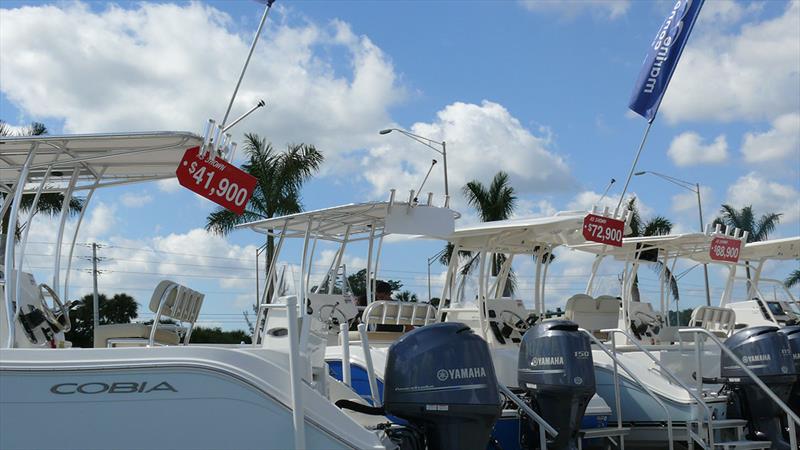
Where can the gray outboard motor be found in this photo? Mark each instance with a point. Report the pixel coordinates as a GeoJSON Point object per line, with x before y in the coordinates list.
{"type": "Point", "coordinates": [767, 354]}
{"type": "Point", "coordinates": [792, 333]}
{"type": "Point", "coordinates": [557, 372]}
{"type": "Point", "coordinates": [441, 379]}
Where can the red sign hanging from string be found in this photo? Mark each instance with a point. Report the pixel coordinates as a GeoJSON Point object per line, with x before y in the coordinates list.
{"type": "Point", "coordinates": [725, 249]}
{"type": "Point", "coordinates": [217, 180]}
{"type": "Point", "coordinates": [604, 230]}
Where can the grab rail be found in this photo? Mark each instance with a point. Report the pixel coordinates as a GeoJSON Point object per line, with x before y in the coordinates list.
{"type": "Point", "coordinates": [789, 413]}
{"type": "Point", "coordinates": [295, 382]}
{"type": "Point", "coordinates": [543, 425]}
{"type": "Point", "coordinates": [373, 383]}
{"type": "Point", "coordinates": [344, 333]}
{"type": "Point", "coordinates": [649, 392]}
{"type": "Point", "coordinates": [680, 383]}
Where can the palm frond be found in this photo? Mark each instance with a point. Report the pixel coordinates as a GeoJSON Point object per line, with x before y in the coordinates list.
{"type": "Point", "coordinates": [636, 218]}
{"type": "Point", "coordinates": [792, 279]}
{"type": "Point", "coordinates": [657, 226]}
{"type": "Point", "coordinates": [766, 225]}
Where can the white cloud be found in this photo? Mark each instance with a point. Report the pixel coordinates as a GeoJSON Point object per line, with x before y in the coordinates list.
{"type": "Point", "coordinates": [687, 201]}
{"type": "Point", "coordinates": [766, 196]}
{"type": "Point", "coordinates": [169, 185]}
{"type": "Point", "coordinates": [135, 199]}
{"type": "Point", "coordinates": [606, 9]}
{"type": "Point", "coordinates": [586, 200]}
{"type": "Point", "coordinates": [688, 149]}
{"type": "Point", "coordinates": [780, 142]}
{"type": "Point", "coordinates": [481, 140]}
{"type": "Point", "coordinates": [167, 66]}
{"type": "Point", "coordinates": [749, 74]}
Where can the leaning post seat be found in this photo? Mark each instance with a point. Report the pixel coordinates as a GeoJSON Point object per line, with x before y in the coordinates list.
{"type": "Point", "coordinates": [593, 314]}
{"type": "Point", "coordinates": [386, 312]}
{"type": "Point", "coordinates": [170, 300]}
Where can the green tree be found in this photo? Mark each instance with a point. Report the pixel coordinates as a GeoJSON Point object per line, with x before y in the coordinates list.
{"type": "Point", "coordinates": [492, 203]}
{"type": "Point", "coordinates": [49, 202]}
{"type": "Point", "coordinates": [792, 279]}
{"type": "Point", "coordinates": [656, 226]}
{"type": "Point", "coordinates": [358, 283]}
{"type": "Point", "coordinates": [215, 335]}
{"type": "Point", "coordinates": [405, 296]}
{"type": "Point", "coordinates": [744, 219]}
{"type": "Point", "coordinates": [280, 176]}
{"type": "Point", "coordinates": [121, 308]}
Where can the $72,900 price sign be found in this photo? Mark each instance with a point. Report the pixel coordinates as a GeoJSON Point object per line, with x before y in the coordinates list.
{"type": "Point", "coordinates": [219, 181]}
{"type": "Point", "coordinates": [724, 249]}
{"type": "Point", "coordinates": [604, 230]}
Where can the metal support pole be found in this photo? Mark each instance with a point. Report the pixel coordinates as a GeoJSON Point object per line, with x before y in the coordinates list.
{"type": "Point", "coordinates": [446, 186]}
{"type": "Point", "coordinates": [246, 62]}
{"type": "Point", "coordinates": [373, 384]}
{"type": "Point", "coordinates": [295, 380]}
{"type": "Point", "coordinates": [95, 295]}
{"type": "Point", "coordinates": [344, 332]}
{"type": "Point", "coordinates": [633, 167]}
{"type": "Point", "coordinates": [8, 260]}
{"type": "Point", "coordinates": [60, 235]}
{"type": "Point", "coordinates": [702, 227]}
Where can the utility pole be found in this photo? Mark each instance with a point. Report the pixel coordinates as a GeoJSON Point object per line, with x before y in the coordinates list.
{"type": "Point", "coordinates": [96, 297]}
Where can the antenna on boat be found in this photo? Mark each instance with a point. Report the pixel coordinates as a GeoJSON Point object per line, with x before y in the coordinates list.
{"type": "Point", "coordinates": [606, 191]}
{"type": "Point", "coordinates": [247, 61]}
{"type": "Point", "coordinates": [416, 199]}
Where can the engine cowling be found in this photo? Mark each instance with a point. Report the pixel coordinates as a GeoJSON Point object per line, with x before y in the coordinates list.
{"type": "Point", "coordinates": [440, 378]}
{"type": "Point", "coordinates": [557, 371]}
{"type": "Point", "coordinates": [767, 353]}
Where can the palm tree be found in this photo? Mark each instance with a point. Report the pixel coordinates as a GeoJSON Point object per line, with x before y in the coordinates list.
{"type": "Point", "coordinates": [744, 219]}
{"type": "Point", "coordinates": [280, 176]}
{"type": "Point", "coordinates": [495, 202]}
{"type": "Point", "coordinates": [49, 202]}
{"type": "Point", "coordinates": [792, 279]}
{"type": "Point", "coordinates": [656, 226]}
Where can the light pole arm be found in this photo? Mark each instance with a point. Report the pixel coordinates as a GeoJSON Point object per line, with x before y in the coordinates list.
{"type": "Point", "coordinates": [678, 182]}
{"type": "Point", "coordinates": [423, 140]}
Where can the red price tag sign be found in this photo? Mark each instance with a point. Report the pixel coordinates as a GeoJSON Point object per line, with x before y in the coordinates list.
{"type": "Point", "coordinates": [724, 249]}
{"type": "Point", "coordinates": [604, 230]}
{"type": "Point", "coordinates": [219, 181]}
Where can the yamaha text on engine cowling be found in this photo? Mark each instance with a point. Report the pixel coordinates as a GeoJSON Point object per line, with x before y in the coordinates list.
{"type": "Point", "coordinates": [441, 379]}
{"type": "Point", "coordinates": [557, 372]}
{"type": "Point", "coordinates": [767, 354]}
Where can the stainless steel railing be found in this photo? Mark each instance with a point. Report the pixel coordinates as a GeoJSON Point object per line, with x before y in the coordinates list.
{"type": "Point", "coordinates": [673, 377]}
{"type": "Point", "coordinates": [544, 427]}
{"type": "Point", "coordinates": [617, 362]}
{"type": "Point", "coordinates": [791, 418]}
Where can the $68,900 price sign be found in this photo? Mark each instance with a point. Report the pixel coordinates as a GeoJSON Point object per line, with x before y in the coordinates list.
{"type": "Point", "coordinates": [219, 181]}
{"type": "Point", "coordinates": [604, 230]}
{"type": "Point", "coordinates": [724, 249]}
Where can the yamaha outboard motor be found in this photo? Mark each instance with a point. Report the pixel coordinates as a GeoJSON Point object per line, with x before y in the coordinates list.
{"type": "Point", "coordinates": [767, 354]}
{"type": "Point", "coordinates": [792, 333]}
{"type": "Point", "coordinates": [556, 370]}
{"type": "Point", "coordinates": [440, 378]}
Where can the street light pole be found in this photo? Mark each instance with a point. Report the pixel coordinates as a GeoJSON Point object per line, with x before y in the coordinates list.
{"type": "Point", "coordinates": [427, 142]}
{"type": "Point", "coordinates": [694, 187]}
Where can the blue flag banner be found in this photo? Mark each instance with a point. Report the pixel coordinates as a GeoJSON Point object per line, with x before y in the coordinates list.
{"type": "Point", "coordinates": [662, 58]}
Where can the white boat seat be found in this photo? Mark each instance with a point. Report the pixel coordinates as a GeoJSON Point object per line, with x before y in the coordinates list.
{"type": "Point", "coordinates": [719, 321]}
{"type": "Point", "coordinates": [169, 300]}
{"type": "Point", "coordinates": [134, 334]}
{"type": "Point", "coordinates": [385, 312]}
{"type": "Point", "coordinates": [376, 337]}
{"type": "Point", "coordinates": [593, 314]}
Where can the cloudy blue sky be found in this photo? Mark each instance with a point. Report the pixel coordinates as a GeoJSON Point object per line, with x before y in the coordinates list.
{"type": "Point", "coordinates": [538, 89]}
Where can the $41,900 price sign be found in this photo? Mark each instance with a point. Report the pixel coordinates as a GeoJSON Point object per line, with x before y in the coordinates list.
{"type": "Point", "coordinates": [604, 230]}
{"type": "Point", "coordinates": [724, 249]}
{"type": "Point", "coordinates": [219, 181]}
